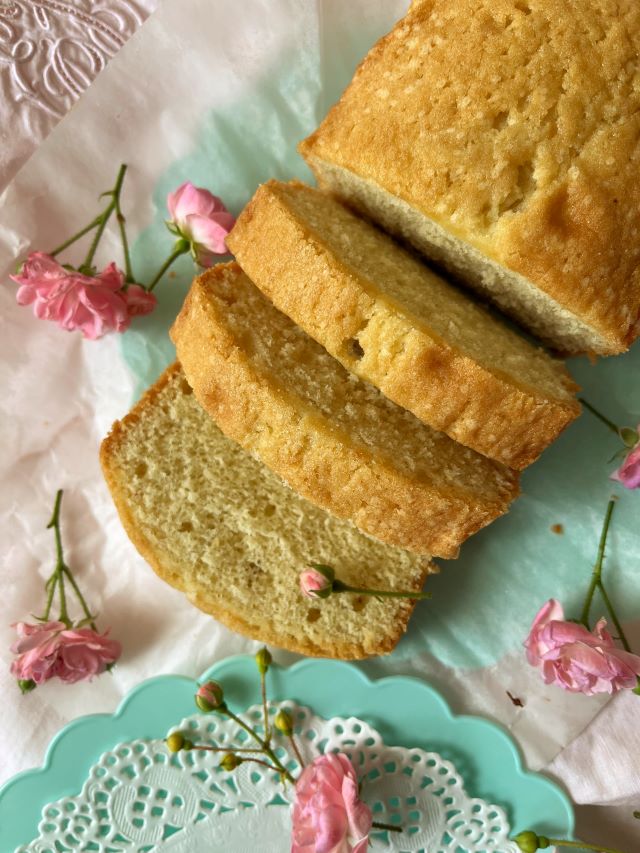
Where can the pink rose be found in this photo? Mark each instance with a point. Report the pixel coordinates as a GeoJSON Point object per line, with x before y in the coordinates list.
{"type": "Point", "coordinates": [576, 659]}
{"type": "Point", "coordinates": [202, 219]}
{"type": "Point", "coordinates": [629, 472]}
{"type": "Point", "coordinates": [328, 816]}
{"type": "Point", "coordinates": [93, 304]}
{"type": "Point", "coordinates": [51, 650]}
{"type": "Point", "coordinates": [316, 582]}
{"type": "Point", "coordinates": [139, 301]}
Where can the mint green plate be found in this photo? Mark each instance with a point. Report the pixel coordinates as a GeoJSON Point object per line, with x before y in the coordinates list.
{"type": "Point", "coordinates": [406, 712]}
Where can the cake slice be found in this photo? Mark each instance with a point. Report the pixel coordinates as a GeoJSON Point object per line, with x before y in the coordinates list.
{"type": "Point", "coordinates": [503, 141]}
{"type": "Point", "coordinates": [223, 529]}
{"type": "Point", "coordinates": [336, 440]}
{"type": "Point", "coordinates": [397, 324]}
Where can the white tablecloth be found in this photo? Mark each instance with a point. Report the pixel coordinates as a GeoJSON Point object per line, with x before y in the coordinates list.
{"type": "Point", "coordinates": [49, 53]}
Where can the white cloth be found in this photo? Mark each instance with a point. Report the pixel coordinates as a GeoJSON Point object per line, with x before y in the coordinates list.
{"type": "Point", "coordinates": [50, 51]}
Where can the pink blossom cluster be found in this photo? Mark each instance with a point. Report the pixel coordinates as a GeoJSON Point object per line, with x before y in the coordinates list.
{"type": "Point", "coordinates": [51, 650]}
{"type": "Point", "coordinates": [577, 659]}
{"type": "Point", "coordinates": [328, 815]}
{"type": "Point", "coordinates": [105, 302]}
{"type": "Point", "coordinates": [93, 304]}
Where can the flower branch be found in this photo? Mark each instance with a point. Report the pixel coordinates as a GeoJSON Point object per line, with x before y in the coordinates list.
{"type": "Point", "coordinates": [80, 298]}
{"type": "Point", "coordinates": [103, 219]}
{"type": "Point", "coordinates": [210, 697]}
{"type": "Point", "coordinates": [263, 662]}
{"type": "Point", "coordinates": [330, 778]}
{"type": "Point", "coordinates": [181, 248]}
{"type": "Point", "coordinates": [61, 648]}
{"type": "Point", "coordinates": [628, 474]}
{"type": "Point", "coordinates": [576, 657]}
{"type": "Point", "coordinates": [320, 581]}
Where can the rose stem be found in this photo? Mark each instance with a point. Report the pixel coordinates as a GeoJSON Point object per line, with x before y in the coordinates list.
{"type": "Point", "coordinates": [583, 846]}
{"type": "Point", "coordinates": [58, 573]}
{"type": "Point", "coordinates": [597, 570]}
{"type": "Point", "coordinates": [83, 603]}
{"type": "Point", "coordinates": [388, 826]}
{"type": "Point", "coordinates": [613, 427]}
{"type": "Point", "coordinates": [296, 750]}
{"type": "Point", "coordinates": [196, 747]}
{"type": "Point", "coordinates": [181, 247]}
{"type": "Point", "coordinates": [264, 746]}
{"type": "Point", "coordinates": [77, 236]}
{"type": "Point", "coordinates": [104, 217]}
{"type": "Point", "coordinates": [62, 571]}
{"type": "Point", "coordinates": [123, 234]}
{"type": "Point", "coordinates": [614, 618]}
{"type": "Point", "coordinates": [265, 709]}
{"type": "Point", "coordinates": [50, 585]}
{"type": "Point", "coordinates": [339, 586]}
{"type": "Point", "coordinates": [266, 764]}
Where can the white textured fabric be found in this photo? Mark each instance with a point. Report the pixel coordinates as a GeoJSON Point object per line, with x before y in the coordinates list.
{"type": "Point", "coordinates": [60, 394]}
{"type": "Point", "coordinates": [50, 51]}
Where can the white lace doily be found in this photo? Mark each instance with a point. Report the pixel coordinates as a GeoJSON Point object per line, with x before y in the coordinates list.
{"type": "Point", "coordinates": [140, 798]}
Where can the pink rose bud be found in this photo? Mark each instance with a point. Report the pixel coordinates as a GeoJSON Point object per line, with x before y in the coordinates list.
{"type": "Point", "coordinates": [576, 659]}
{"type": "Point", "coordinates": [93, 304]}
{"type": "Point", "coordinates": [629, 472]}
{"type": "Point", "coordinates": [317, 581]}
{"type": "Point", "coordinates": [51, 650]}
{"type": "Point", "coordinates": [139, 301]}
{"type": "Point", "coordinates": [202, 219]}
{"type": "Point", "coordinates": [328, 815]}
{"type": "Point", "coordinates": [210, 697]}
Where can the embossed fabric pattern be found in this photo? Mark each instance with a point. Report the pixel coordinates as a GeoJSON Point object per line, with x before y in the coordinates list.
{"type": "Point", "coordinates": [50, 51]}
{"type": "Point", "coordinates": [138, 797]}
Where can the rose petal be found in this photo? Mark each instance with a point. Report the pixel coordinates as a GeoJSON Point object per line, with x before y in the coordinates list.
{"type": "Point", "coordinates": [629, 472]}
{"type": "Point", "coordinates": [189, 199]}
{"type": "Point", "coordinates": [139, 301]}
{"type": "Point", "coordinates": [209, 234]}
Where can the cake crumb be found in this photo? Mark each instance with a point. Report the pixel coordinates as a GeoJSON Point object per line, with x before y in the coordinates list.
{"type": "Point", "coordinates": [516, 701]}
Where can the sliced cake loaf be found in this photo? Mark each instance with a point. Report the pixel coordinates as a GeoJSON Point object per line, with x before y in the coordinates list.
{"type": "Point", "coordinates": [503, 140]}
{"type": "Point", "coordinates": [395, 323]}
{"type": "Point", "coordinates": [223, 529]}
{"type": "Point", "coordinates": [333, 438]}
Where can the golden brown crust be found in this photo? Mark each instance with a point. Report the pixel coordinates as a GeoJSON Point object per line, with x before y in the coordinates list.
{"type": "Point", "coordinates": [487, 410]}
{"type": "Point", "coordinates": [516, 126]}
{"type": "Point", "coordinates": [259, 629]}
{"type": "Point", "coordinates": [310, 452]}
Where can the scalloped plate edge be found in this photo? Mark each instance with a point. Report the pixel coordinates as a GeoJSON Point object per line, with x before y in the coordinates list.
{"type": "Point", "coordinates": [128, 704]}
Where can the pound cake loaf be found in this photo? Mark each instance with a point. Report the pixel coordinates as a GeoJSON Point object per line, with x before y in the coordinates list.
{"type": "Point", "coordinates": [502, 139]}
{"type": "Point", "coordinates": [223, 529]}
{"type": "Point", "coordinates": [396, 324]}
{"type": "Point", "coordinates": [336, 440]}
